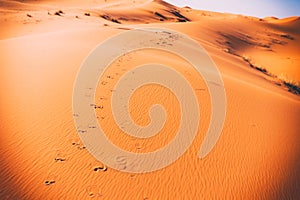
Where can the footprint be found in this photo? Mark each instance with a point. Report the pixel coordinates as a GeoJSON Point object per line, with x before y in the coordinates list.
{"type": "Point", "coordinates": [92, 126]}
{"type": "Point", "coordinates": [132, 175]}
{"type": "Point", "coordinates": [81, 131]}
{"type": "Point", "coordinates": [78, 144]}
{"type": "Point", "coordinates": [49, 182]}
{"type": "Point", "coordinates": [60, 156]}
{"type": "Point", "coordinates": [75, 143]}
{"type": "Point", "coordinates": [104, 82]}
{"type": "Point", "coordinates": [97, 166]}
{"type": "Point", "coordinates": [93, 191]}
{"type": "Point", "coordinates": [81, 147]}
{"type": "Point", "coordinates": [138, 146]}
{"type": "Point", "coordinates": [59, 159]}
{"type": "Point", "coordinates": [102, 168]}
{"type": "Point", "coordinates": [98, 107]}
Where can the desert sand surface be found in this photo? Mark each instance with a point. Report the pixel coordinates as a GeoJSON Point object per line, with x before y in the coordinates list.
{"type": "Point", "coordinates": [42, 46]}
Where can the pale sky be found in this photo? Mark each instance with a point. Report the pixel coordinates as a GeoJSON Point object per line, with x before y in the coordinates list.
{"type": "Point", "coordinates": [258, 8]}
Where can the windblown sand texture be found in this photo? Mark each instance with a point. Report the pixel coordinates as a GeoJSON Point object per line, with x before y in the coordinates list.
{"type": "Point", "coordinates": [42, 45]}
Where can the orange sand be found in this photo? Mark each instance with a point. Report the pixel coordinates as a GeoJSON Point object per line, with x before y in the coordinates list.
{"type": "Point", "coordinates": [257, 156]}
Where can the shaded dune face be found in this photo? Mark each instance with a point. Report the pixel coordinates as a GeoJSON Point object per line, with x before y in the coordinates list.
{"type": "Point", "coordinates": [256, 157]}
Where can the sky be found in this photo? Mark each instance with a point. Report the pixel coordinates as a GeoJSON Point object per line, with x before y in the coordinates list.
{"type": "Point", "coordinates": [257, 8]}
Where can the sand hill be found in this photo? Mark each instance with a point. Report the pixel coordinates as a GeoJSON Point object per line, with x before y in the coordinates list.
{"type": "Point", "coordinates": [42, 45]}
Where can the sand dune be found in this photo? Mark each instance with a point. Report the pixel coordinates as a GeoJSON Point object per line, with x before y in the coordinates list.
{"type": "Point", "coordinates": [42, 157]}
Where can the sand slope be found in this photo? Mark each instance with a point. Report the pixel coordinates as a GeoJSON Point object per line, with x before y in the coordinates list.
{"type": "Point", "coordinates": [257, 156]}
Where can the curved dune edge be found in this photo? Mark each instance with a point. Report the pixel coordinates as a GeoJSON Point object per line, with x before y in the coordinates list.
{"type": "Point", "coordinates": [283, 20]}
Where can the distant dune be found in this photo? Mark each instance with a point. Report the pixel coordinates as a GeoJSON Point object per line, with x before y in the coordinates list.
{"type": "Point", "coordinates": [42, 45]}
